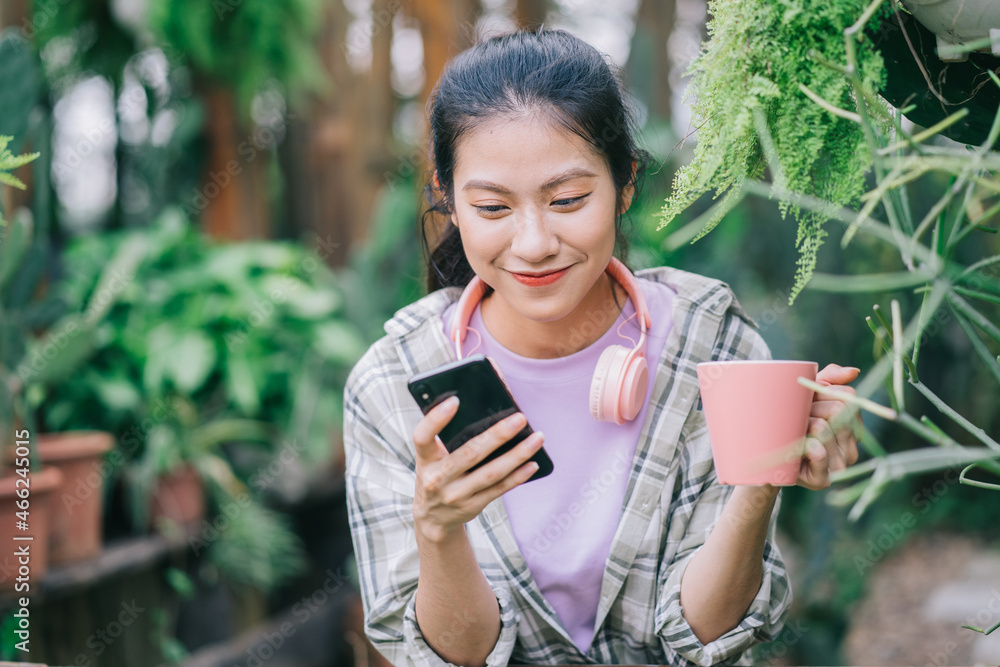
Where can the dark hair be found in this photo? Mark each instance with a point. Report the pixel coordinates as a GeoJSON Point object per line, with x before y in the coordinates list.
{"type": "Point", "coordinates": [550, 70]}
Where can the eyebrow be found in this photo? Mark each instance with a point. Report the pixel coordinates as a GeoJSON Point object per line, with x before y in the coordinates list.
{"type": "Point", "coordinates": [576, 172]}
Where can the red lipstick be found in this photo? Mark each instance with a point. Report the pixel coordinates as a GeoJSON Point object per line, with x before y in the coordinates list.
{"type": "Point", "coordinates": [539, 280]}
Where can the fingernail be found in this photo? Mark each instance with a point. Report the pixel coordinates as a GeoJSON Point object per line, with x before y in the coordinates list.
{"type": "Point", "coordinates": [517, 420]}
{"type": "Point", "coordinates": [451, 403]}
{"type": "Point", "coordinates": [539, 438]}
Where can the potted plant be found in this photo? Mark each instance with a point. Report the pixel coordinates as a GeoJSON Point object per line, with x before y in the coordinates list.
{"type": "Point", "coordinates": [31, 361]}
{"type": "Point", "coordinates": [266, 343]}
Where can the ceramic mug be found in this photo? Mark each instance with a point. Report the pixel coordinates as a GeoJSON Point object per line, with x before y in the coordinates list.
{"type": "Point", "coordinates": [757, 415]}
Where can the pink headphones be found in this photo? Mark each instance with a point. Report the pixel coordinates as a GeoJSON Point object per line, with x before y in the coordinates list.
{"type": "Point", "coordinates": [621, 377]}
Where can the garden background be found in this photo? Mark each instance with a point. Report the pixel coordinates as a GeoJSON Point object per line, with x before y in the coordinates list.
{"type": "Point", "coordinates": [224, 210]}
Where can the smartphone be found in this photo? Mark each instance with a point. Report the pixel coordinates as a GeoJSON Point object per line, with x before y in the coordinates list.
{"type": "Point", "coordinates": [484, 400]}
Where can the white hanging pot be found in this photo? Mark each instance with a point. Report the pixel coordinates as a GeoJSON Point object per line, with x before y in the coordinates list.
{"type": "Point", "coordinates": [958, 22]}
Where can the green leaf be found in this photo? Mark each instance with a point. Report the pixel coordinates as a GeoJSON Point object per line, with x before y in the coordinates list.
{"type": "Point", "coordinates": [312, 304]}
{"type": "Point", "coordinates": [59, 352]}
{"type": "Point", "coordinates": [12, 180]}
{"type": "Point", "coordinates": [15, 244]}
{"type": "Point", "coordinates": [338, 342]}
{"type": "Point", "coordinates": [186, 358]}
{"type": "Point", "coordinates": [117, 393]}
{"type": "Point", "coordinates": [240, 384]}
{"type": "Point", "coordinates": [180, 582]}
{"type": "Point", "coordinates": [872, 282]}
{"type": "Point", "coordinates": [194, 358]}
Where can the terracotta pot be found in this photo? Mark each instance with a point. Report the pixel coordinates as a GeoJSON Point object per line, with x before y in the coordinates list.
{"type": "Point", "coordinates": [39, 496]}
{"type": "Point", "coordinates": [179, 497]}
{"type": "Point", "coordinates": [77, 508]}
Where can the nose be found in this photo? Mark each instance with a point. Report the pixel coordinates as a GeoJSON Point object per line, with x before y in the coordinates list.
{"type": "Point", "coordinates": [533, 239]}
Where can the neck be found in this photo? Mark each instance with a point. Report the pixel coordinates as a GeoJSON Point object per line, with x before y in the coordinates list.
{"type": "Point", "coordinates": [561, 338]}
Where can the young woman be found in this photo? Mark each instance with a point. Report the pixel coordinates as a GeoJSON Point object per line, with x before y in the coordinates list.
{"type": "Point", "coordinates": [630, 551]}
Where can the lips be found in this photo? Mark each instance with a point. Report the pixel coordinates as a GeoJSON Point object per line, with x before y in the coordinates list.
{"type": "Point", "coordinates": [539, 280]}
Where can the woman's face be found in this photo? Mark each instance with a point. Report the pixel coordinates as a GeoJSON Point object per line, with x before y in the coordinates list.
{"type": "Point", "coordinates": [535, 206]}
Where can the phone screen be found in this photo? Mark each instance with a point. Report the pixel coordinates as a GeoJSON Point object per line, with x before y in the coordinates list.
{"type": "Point", "coordinates": [484, 400]}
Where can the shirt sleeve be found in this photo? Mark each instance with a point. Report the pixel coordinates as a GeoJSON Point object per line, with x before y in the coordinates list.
{"type": "Point", "coordinates": [380, 482]}
{"type": "Point", "coordinates": [698, 506]}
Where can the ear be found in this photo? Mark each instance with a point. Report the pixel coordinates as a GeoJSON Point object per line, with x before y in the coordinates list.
{"type": "Point", "coordinates": [629, 191]}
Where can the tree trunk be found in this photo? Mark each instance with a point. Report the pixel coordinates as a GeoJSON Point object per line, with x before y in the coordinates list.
{"type": "Point", "coordinates": [335, 157]}
{"type": "Point", "coordinates": [649, 60]}
{"type": "Point", "coordinates": [15, 13]}
{"type": "Point", "coordinates": [529, 14]}
{"type": "Point", "coordinates": [447, 29]}
{"type": "Point", "coordinates": [233, 197]}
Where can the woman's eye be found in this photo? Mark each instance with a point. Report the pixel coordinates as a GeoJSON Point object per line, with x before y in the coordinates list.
{"type": "Point", "coordinates": [570, 201]}
{"type": "Point", "coordinates": [491, 209]}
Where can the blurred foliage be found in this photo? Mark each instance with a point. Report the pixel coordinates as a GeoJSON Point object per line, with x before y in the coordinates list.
{"type": "Point", "coordinates": [762, 63]}
{"type": "Point", "coordinates": [245, 44]}
{"type": "Point", "coordinates": [386, 272]}
{"type": "Point", "coordinates": [259, 327]}
{"type": "Point", "coordinates": [20, 85]}
{"type": "Point", "coordinates": [210, 354]}
{"type": "Point", "coordinates": [85, 37]}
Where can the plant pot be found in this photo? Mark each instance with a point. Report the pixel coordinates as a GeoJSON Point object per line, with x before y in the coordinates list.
{"type": "Point", "coordinates": [956, 21]}
{"type": "Point", "coordinates": [932, 89]}
{"type": "Point", "coordinates": [77, 511]}
{"type": "Point", "coordinates": [179, 497]}
{"type": "Point", "coordinates": [39, 496]}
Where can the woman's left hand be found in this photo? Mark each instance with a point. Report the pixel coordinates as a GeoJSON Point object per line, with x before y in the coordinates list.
{"type": "Point", "coordinates": [825, 450]}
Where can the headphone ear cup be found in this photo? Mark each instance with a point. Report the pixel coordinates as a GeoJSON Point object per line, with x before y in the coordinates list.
{"type": "Point", "coordinates": [605, 387]}
{"type": "Point", "coordinates": [598, 382]}
{"type": "Point", "coordinates": [635, 381]}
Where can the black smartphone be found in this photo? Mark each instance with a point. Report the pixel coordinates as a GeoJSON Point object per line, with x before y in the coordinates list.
{"type": "Point", "coordinates": [484, 400]}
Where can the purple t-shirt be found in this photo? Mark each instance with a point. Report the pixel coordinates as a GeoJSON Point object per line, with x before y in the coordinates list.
{"type": "Point", "coordinates": [564, 523]}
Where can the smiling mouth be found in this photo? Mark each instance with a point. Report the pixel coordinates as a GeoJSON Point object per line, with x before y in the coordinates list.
{"type": "Point", "coordinates": [539, 279]}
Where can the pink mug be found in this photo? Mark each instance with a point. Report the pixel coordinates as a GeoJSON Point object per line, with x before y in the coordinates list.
{"type": "Point", "coordinates": [757, 415]}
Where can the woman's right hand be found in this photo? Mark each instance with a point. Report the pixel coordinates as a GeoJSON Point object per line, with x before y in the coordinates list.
{"type": "Point", "coordinates": [447, 495]}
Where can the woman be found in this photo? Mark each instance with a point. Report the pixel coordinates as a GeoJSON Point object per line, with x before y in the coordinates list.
{"type": "Point", "coordinates": [631, 551]}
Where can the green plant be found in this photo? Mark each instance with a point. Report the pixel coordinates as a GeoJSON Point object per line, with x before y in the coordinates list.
{"type": "Point", "coordinates": [247, 44]}
{"type": "Point", "coordinates": [259, 326]}
{"type": "Point", "coordinates": [19, 84]}
{"type": "Point", "coordinates": [930, 247]}
{"type": "Point", "coordinates": [766, 65]}
{"type": "Point", "coordinates": [29, 362]}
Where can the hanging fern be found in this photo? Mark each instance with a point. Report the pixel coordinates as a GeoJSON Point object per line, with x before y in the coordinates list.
{"type": "Point", "coordinates": [757, 57]}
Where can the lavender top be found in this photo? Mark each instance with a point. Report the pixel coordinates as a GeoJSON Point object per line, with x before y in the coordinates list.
{"type": "Point", "coordinates": [564, 524]}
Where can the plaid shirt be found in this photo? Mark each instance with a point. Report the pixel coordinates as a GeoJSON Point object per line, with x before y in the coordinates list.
{"type": "Point", "coordinates": [672, 501]}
